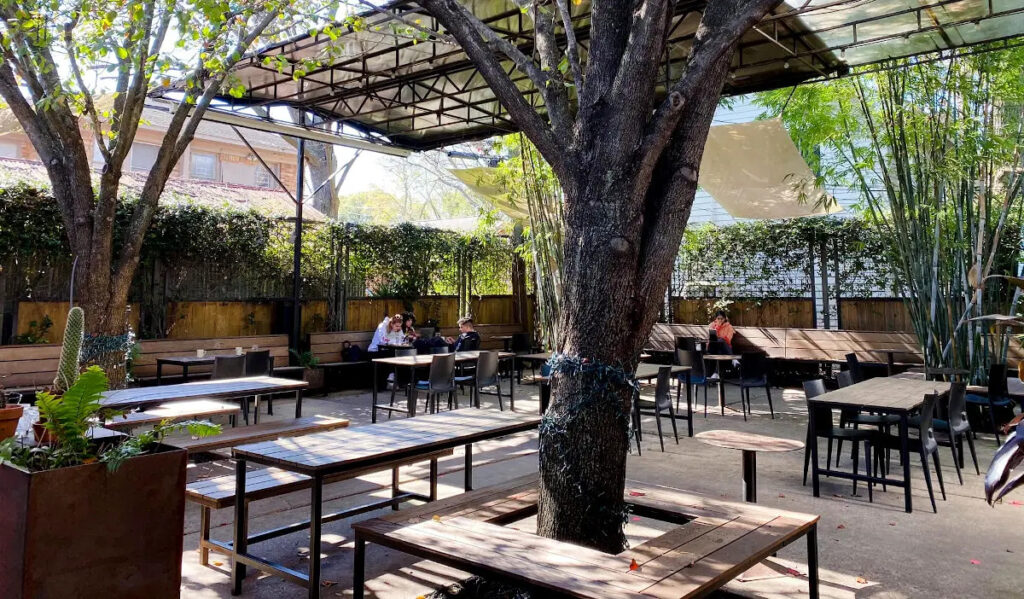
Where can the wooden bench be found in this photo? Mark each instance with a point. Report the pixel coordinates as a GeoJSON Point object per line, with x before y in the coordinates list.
{"type": "Point", "coordinates": [27, 368]}
{"type": "Point", "coordinates": [717, 541]}
{"type": "Point", "coordinates": [173, 412]}
{"type": "Point", "coordinates": [267, 431]}
{"type": "Point", "coordinates": [219, 493]}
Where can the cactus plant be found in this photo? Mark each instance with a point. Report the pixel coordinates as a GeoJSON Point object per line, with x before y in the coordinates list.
{"type": "Point", "coordinates": [67, 370]}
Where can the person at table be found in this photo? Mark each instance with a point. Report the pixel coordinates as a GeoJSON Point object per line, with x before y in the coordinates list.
{"type": "Point", "coordinates": [408, 320]}
{"type": "Point", "coordinates": [723, 329]}
{"type": "Point", "coordinates": [379, 334]}
{"type": "Point", "coordinates": [468, 339]}
{"type": "Point", "coordinates": [392, 335]}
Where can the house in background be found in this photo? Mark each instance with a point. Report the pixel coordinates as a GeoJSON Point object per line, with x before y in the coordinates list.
{"type": "Point", "coordinates": [215, 156]}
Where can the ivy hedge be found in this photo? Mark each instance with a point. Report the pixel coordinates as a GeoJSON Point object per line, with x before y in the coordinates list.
{"type": "Point", "coordinates": [404, 261]}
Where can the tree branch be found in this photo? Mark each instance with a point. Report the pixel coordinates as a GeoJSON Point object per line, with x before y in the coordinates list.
{"type": "Point", "coordinates": [466, 29]}
{"type": "Point", "coordinates": [90, 107]}
{"type": "Point", "coordinates": [723, 24]}
{"type": "Point", "coordinates": [571, 49]}
{"type": "Point", "coordinates": [556, 98]}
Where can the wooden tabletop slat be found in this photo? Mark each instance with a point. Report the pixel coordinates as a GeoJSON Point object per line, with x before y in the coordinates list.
{"type": "Point", "coordinates": [426, 359]}
{"type": "Point", "coordinates": [255, 433]}
{"type": "Point", "coordinates": [343, 448]}
{"type": "Point", "coordinates": [889, 394]}
{"type": "Point", "coordinates": [221, 388]}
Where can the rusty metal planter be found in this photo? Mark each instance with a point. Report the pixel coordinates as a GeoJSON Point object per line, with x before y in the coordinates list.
{"type": "Point", "coordinates": [84, 532]}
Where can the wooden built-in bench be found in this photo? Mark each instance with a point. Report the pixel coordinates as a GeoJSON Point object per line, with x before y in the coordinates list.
{"type": "Point", "coordinates": [144, 365]}
{"type": "Point", "coordinates": [256, 433]}
{"type": "Point", "coordinates": [174, 412]}
{"type": "Point", "coordinates": [714, 542]}
{"type": "Point", "coordinates": [219, 493]}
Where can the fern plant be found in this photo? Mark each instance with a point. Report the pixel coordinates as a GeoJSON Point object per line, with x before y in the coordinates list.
{"type": "Point", "coordinates": [68, 417]}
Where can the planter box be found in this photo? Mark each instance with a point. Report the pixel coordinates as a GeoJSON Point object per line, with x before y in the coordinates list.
{"type": "Point", "coordinates": [84, 532]}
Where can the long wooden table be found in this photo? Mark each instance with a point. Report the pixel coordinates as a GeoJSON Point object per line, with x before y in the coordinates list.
{"type": "Point", "coordinates": [711, 543]}
{"type": "Point", "coordinates": [361, 448]}
{"type": "Point", "coordinates": [256, 386]}
{"type": "Point", "coordinates": [424, 361]}
{"type": "Point", "coordinates": [886, 395]}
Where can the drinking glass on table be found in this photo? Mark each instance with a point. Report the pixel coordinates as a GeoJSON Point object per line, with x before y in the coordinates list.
{"type": "Point", "coordinates": [200, 353]}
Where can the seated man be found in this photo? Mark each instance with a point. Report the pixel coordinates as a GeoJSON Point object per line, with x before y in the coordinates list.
{"type": "Point", "coordinates": [469, 339]}
{"type": "Point", "coordinates": [721, 327]}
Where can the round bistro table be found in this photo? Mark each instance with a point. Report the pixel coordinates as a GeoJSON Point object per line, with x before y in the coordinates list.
{"type": "Point", "coordinates": [749, 444]}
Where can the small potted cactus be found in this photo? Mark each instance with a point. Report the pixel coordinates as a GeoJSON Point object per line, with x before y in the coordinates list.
{"type": "Point", "coordinates": [10, 413]}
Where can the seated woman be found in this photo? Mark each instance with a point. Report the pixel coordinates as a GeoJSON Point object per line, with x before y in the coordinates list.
{"type": "Point", "coordinates": [392, 335]}
{"type": "Point", "coordinates": [408, 320]}
{"type": "Point", "coordinates": [468, 340]}
{"type": "Point", "coordinates": [723, 329]}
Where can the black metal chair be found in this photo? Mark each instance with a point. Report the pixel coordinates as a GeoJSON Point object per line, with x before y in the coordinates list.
{"type": "Point", "coordinates": [855, 368]}
{"type": "Point", "coordinates": [663, 403]}
{"type": "Point", "coordinates": [440, 350]}
{"type": "Point", "coordinates": [925, 445]}
{"type": "Point", "coordinates": [698, 374]}
{"type": "Point", "coordinates": [824, 427]}
{"type": "Point", "coordinates": [686, 343]}
{"type": "Point", "coordinates": [258, 363]}
{"type": "Point", "coordinates": [440, 381]}
{"type": "Point", "coordinates": [486, 376]}
{"type": "Point", "coordinates": [400, 380]}
{"type": "Point", "coordinates": [231, 367]}
{"type": "Point", "coordinates": [882, 422]}
{"type": "Point", "coordinates": [998, 396]}
{"type": "Point", "coordinates": [753, 374]}
{"type": "Point", "coordinates": [952, 431]}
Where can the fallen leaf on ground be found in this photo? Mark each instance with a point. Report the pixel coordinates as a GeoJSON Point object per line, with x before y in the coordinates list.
{"type": "Point", "coordinates": [781, 495]}
{"type": "Point", "coordinates": [218, 563]}
{"type": "Point", "coordinates": [436, 518]}
{"type": "Point", "coordinates": [633, 565]}
{"type": "Point", "coordinates": [793, 572]}
{"type": "Point", "coordinates": [892, 524]}
{"type": "Point", "coordinates": [327, 583]}
{"type": "Point", "coordinates": [841, 526]}
{"type": "Point", "coordinates": [1016, 502]}
{"type": "Point", "coordinates": [862, 580]}
{"type": "Point", "coordinates": [636, 494]}
{"type": "Point", "coordinates": [635, 518]}
{"type": "Point", "coordinates": [975, 562]}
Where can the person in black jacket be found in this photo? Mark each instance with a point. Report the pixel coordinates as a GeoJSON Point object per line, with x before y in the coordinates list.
{"type": "Point", "coordinates": [468, 340]}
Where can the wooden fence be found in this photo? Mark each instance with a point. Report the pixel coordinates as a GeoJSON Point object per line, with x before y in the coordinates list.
{"type": "Point", "coordinates": [874, 314]}
{"type": "Point", "coordinates": [781, 312]}
{"type": "Point", "coordinates": [203, 320]}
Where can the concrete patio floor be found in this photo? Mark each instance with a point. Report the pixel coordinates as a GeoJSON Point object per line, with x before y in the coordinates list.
{"type": "Point", "coordinates": [866, 550]}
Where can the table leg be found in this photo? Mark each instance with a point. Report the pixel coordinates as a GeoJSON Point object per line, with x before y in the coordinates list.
{"type": "Point", "coordinates": [359, 568]}
{"type": "Point", "coordinates": [373, 408]}
{"type": "Point", "coordinates": [511, 388]}
{"type": "Point", "coordinates": [905, 454]}
{"type": "Point", "coordinates": [813, 440]}
{"type": "Point", "coordinates": [812, 561]}
{"type": "Point", "coordinates": [433, 480]}
{"type": "Point", "coordinates": [255, 408]}
{"type": "Point", "coordinates": [184, 373]}
{"type": "Point", "coordinates": [750, 476]}
{"type": "Point", "coordinates": [159, 372]}
{"type": "Point", "coordinates": [241, 544]}
{"type": "Point", "coordinates": [298, 403]}
{"type": "Point", "coordinates": [469, 467]}
{"type": "Point", "coordinates": [412, 391]}
{"type": "Point", "coordinates": [721, 395]}
{"type": "Point", "coordinates": [315, 529]}
{"type": "Point", "coordinates": [890, 363]}
{"type": "Point", "coordinates": [689, 404]}
{"type": "Point", "coordinates": [395, 479]}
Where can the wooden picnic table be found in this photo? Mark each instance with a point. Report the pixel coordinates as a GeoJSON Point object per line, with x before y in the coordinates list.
{"type": "Point", "coordinates": [506, 341]}
{"type": "Point", "coordinates": [325, 454]}
{"type": "Point", "coordinates": [255, 386]}
{"type": "Point", "coordinates": [749, 444]}
{"type": "Point", "coordinates": [888, 395]}
{"type": "Point", "coordinates": [424, 361]}
{"type": "Point", "coordinates": [715, 542]}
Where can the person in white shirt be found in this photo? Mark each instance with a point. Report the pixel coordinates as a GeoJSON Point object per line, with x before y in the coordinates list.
{"type": "Point", "coordinates": [379, 334]}
{"type": "Point", "coordinates": [395, 334]}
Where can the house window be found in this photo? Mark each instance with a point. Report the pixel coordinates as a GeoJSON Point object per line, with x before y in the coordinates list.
{"type": "Point", "coordinates": [144, 156]}
{"type": "Point", "coordinates": [263, 178]}
{"type": "Point", "coordinates": [204, 166]}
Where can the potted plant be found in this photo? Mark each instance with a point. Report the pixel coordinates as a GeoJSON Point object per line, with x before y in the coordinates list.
{"type": "Point", "coordinates": [310, 373]}
{"type": "Point", "coordinates": [67, 367]}
{"type": "Point", "coordinates": [10, 413]}
{"type": "Point", "coordinates": [87, 512]}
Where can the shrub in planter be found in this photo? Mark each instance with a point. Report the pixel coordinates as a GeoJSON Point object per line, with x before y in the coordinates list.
{"type": "Point", "coordinates": [312, 375]}
{"type": "Point", "coordinates": [87, 515]}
